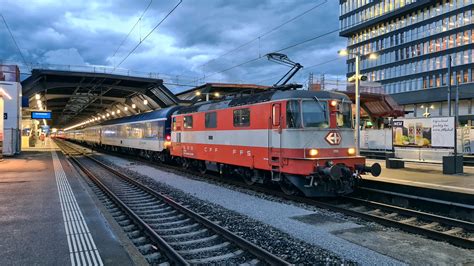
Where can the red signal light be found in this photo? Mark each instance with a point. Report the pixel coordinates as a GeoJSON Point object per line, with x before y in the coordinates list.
{"type": "Point", "coordinates": [168, 137]}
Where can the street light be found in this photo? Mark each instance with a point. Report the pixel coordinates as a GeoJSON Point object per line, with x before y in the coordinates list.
{"type": "Point", "coordinates": [357, 77]}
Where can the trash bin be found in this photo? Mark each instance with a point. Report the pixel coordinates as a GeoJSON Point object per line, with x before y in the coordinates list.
{"type": "Point", "coordinates": [452, 165]}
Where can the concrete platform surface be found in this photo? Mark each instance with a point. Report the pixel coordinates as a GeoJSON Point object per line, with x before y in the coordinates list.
{"type": "Point", "coordinates": [426, 175]}
{"type": "Point", "coordinates": [47, 218]}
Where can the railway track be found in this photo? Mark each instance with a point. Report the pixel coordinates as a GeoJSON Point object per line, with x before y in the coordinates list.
{"type": "Point", "coordinates": [438, 227]}
{"type": "Point", "coordinates": [165, 231]}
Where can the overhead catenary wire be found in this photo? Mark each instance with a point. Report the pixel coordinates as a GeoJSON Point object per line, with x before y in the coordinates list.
{"type": "Point", "coordinates": [131, 30]}
{"type": "Point", "coordinates": [305, 68]}
{"type": "Point", "coordinates": [14, 41]}
{"type": "Point", "coordinates": [279, 50]}
{"type": "Point", "coordinates": [265, 33]}
{"type": "Point", "coordinates": [149, 33]}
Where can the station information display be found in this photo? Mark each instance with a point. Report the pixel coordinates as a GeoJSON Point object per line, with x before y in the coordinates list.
{"type": "Point", "coordinates": [40, 115]}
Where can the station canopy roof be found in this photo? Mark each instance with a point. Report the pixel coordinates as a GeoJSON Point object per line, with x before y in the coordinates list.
{"type": "Point", "coordinates": [77, 96]}
{"type": "Point", "coordinates": [375, 102]}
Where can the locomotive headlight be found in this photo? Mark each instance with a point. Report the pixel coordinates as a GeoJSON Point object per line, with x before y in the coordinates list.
{"type": "Point", "coordinates": [313, 152]}
{"type": "Point", "coordinates": [333, 103]}
{"type": "Point", "coordinates": [351, 151]}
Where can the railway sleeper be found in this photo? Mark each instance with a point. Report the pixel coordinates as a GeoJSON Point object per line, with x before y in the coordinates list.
{"type": "Point", "coordinates": [139, 241]}
{"type": "Point", "coordinates": [164, 219]}
{"type": "Point", "coordinates": [454, 231]}
{"type": "Point", "coordinates": [214, 248]}
{"type": "Point", "coordinates": [194, 241]}
{"type": "Point", "coordinates": [430, 225]}
{"type": "Point", "coordinates": [227, 256]}
{"type": "Point", "coordinates": [158, 215]}
{"type": "Point", "coordinates": [186, 235]}
{"type": "Point", "coordinates": [169, 230]}
{"type": "Point", "coordinates": [171, 224]}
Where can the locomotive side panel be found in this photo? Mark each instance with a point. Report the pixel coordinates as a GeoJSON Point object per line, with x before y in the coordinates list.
{"type": "Point", "coordinates": [234, 136]}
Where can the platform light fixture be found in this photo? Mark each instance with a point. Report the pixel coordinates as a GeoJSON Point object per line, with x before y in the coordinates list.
{"type": "Point", "coordinates": [118, 111]}
{"type": "Point", "coordinates": [134, 106]}
{"type": "Point", "coordinates": [198, 93]}
{"type": "Point", "coordinates": [37, 96]}
{"type": "Point", "coordinates": [125, 108]}
{"type": "Point", "coordinates": [217, 94]}
{"type": "Point", "coordinates": [113, 112]}
{"type": "Point", "coordinates": [357, 77]}
{"type": "Point", "coordinates": [145, 102]}
{"type": "Point", "coordinates": [103, 117]}
{"type": "Point", "coordinates": [107, 115]}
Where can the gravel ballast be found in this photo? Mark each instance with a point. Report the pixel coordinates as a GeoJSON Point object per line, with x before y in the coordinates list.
{"type": "Point", "coordinates": [275, 226]}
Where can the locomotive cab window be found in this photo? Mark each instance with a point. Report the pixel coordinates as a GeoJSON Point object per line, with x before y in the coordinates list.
{"type": "Point", "coordinates": [315, 113]}
{"type": "Point", "coordinates": [188, 121]}
{"type": "Point", "coordinates": [242, 118]}
{"type": "Point", "coordinates": [211, 120]}
{"type": "Point", "coordinates": [293, 114]}
{"type": "Point", "coordinates": [344, 116]}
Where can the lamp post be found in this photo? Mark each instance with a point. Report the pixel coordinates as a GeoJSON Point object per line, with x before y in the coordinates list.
{"type": "Point", "coordinates": [357, 78]}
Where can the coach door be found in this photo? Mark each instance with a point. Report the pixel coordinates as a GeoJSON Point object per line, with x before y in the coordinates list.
{"type": "Point", "coordinates": [177, 127]}
{"type": "Point", "coordinates": [274, 138]}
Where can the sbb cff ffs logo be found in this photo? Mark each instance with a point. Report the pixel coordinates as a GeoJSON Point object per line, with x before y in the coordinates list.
{"type": "Point", "coordinates": [333, 138]}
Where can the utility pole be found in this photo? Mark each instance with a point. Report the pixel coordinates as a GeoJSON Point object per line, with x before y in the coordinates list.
{"type": "Point", "coordinates": [322, 82]}
{"type": "Point", "coordinates": [310, 81]}
{"type": "Point", "coordinates": [449, 85]}
{"type": "Point", "coordinates": [357, 101]}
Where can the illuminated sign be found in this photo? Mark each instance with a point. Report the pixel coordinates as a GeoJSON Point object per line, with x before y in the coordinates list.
{"type": "Point", "coordinates": [40, 115]}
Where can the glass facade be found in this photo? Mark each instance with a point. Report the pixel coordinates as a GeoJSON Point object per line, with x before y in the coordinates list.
{"type": "Point", "coordinates": [413, 41]}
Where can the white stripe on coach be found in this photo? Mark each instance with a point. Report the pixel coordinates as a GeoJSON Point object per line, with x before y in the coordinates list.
{"type": "Point", "coordinates": [82, 249]}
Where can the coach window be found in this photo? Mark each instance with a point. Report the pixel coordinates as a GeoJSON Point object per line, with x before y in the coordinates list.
{"type": "Point", "coordinates": [242, 118]}
{"type": "Point", "coordinates": [211, 120]}
{"type": "Point", "coordinates": [188, 121]}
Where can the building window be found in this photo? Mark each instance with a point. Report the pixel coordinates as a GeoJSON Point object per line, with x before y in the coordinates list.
{"type": "Point", "coordinates": [210, 120]}
{"type": "Point", "coordinates": [242, 117]}
{"type": "Point", "coordinates": [188, 121]}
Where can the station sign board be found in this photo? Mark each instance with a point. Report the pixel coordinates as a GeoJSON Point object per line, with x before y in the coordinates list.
{"type": "Point", "coordinates": [41, 115]}
{"type": "Point", "coordinates": [436, 132]}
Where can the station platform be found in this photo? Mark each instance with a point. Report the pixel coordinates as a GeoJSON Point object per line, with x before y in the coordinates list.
{"type": "Point", "coordinates": [426, 175]}
{"type": "Point", "coordinates": [48, 217]}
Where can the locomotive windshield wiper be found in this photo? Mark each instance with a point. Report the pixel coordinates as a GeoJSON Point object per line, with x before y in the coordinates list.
{"type": "Point", "coordinates": [320, 105]}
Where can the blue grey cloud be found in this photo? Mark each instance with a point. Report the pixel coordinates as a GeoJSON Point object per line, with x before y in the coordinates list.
{"type": "Point", "coordinates": [88, 32]}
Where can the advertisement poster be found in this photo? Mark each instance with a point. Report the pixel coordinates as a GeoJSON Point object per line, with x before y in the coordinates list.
{"type": "Point", "coordinates": [424, 132]}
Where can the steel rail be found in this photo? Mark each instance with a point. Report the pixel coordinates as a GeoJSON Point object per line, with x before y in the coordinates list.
{"type": "Point", "coordinates": [244, 244]}
{"type": "Point", "coordinates": [169, 252]}
{"type": "Point", "coordinates": [437, 235]}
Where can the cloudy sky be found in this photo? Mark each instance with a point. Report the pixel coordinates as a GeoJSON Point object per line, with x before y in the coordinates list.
{"type": "Point", "coordinates": [191, 44]}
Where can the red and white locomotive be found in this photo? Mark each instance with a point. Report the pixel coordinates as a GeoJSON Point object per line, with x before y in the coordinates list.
{"type": "Point", "coordinates": [302, 140]}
